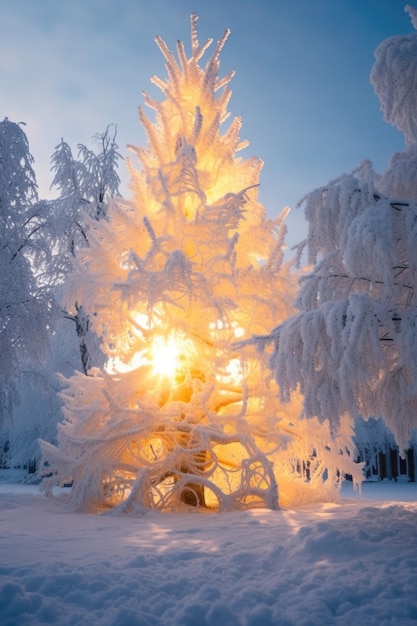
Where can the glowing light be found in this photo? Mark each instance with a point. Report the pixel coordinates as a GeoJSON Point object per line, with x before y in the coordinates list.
{"type": "Point", "coordinates": [238, 330]}
{"type": "Point", "coordinates": [171, 355]}
{"type": "Point", "coordinates": [232, 374]}
{"type": "Point", "coordinates": [166, 354]}
{"type": "Point", "coordinates": [117, 366]}
{"type": "Point", "coordinates": [218, 325]}
{"type": "Point", "coordinates": [235, 370]}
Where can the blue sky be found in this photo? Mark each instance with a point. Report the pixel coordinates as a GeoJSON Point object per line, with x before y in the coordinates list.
{"type": "Point", "coordinates": [302, 87]}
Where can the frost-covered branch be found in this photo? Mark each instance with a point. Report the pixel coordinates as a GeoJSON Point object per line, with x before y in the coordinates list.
{"type": "Point", "coordinates": [191, 264]}
{"type": "Point", "coordinates": [351, 349]}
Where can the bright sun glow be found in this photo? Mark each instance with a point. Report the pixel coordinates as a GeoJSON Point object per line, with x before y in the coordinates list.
{"type": "Point", "coordinates": [166, 355]}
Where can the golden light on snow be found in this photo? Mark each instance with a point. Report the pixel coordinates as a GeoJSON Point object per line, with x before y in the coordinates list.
{"type": "Point", "coordinates": [232, 374]}
{"type": "Point", "coordinates": [167, 356]}
{"type": "Point", "coordinates": [183, 274]}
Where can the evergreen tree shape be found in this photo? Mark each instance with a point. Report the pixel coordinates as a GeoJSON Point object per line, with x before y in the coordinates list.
{"type": "Point", "coordinates": [351, 349]}
{"type": "Point", "coordinates": [178, 276]}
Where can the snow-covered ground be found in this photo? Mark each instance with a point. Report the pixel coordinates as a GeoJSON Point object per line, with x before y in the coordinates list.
{"type": "Point", "coordinates": [351, 563]}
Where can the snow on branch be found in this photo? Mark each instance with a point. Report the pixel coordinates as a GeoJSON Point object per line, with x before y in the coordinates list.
{"type": "Point", "coordinates": [351, 347]}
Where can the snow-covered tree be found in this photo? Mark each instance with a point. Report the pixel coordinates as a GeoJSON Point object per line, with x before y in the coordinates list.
{"type": "Point", "coordinates": [177, 277]}
{"type": "Point", "coordinates": [38, 410]}
{"type": "Point", "coordinates": [352, 348]}
{"type": "Point", "coordinates": [57, 228]}
{"type": "Point", "coordinates": [86, 185]}
{"type": "Point", "coordinates": [372, 439]}
{"type": "Point", "coordinates": [26, 303]}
